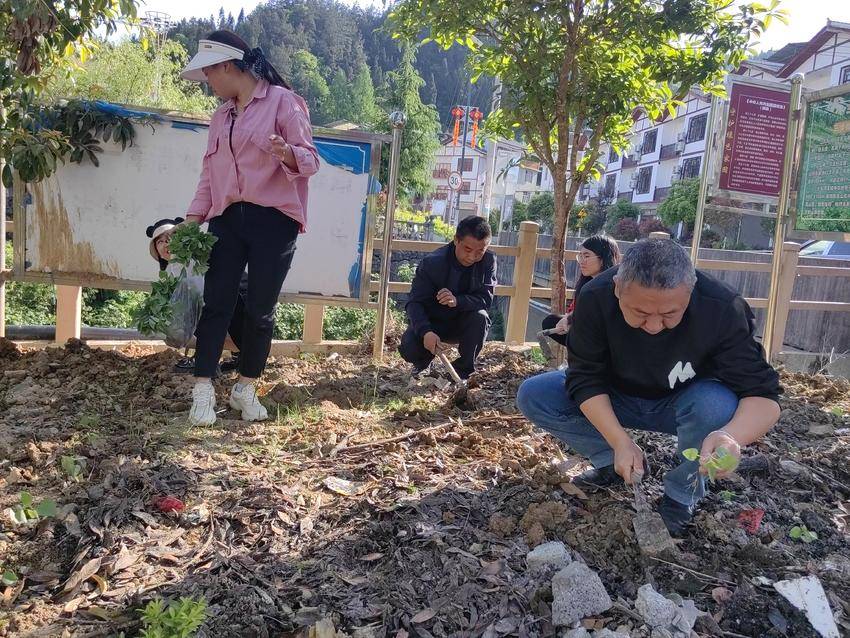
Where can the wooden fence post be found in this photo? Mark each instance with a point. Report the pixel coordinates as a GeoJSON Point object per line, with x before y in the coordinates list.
{"type": "Point", "coordinates": [69, 307]}
{"type": "Point", "coordinates": [314, 316]}
{"type": "Point", "coordinates": [785, 292]}
{"type": "Point", "coordinates": [523, 279]}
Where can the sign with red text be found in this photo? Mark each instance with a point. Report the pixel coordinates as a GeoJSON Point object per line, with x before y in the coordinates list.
{"type": "Point", "coordinates": [753, 145]}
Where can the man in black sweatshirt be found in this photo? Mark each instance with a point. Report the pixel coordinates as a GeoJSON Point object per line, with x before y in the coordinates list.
{"type": "Point", "coordinates": [449, 298]}
{"type": "Point", "coordinates": [657, 346]}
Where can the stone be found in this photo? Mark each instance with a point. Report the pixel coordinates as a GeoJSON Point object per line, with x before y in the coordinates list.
{"type": "Point", "coordinates": [607, 633]}
{"type": "Point", "coordinates": [554, 554]}
{"type": "Point", "coordinates": [794, 469]}
{"type": "Point", "coordinates": [578, 592]}
{"type": "Point", "coordinates": [655, 609]}
{"type": "Point", "coordinates": [581, 632]}
{"type": "Point", "coordinates": [688, 614]}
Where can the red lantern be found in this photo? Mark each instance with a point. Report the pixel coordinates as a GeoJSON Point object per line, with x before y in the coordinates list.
{"type": "Point", "coordinates": [475, 115]}
{"type": "Point", "coordinates": [457, 114]}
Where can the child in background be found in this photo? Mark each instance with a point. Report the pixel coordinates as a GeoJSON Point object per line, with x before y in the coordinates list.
{"type": "Point", "coordinates": [159, 240]}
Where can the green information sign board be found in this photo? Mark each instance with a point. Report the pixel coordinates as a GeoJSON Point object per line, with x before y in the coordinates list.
{"type": "Point", "coordinates": [823, 202]}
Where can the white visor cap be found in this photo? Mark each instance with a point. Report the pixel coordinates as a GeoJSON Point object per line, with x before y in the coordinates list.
{"type": "Point", "coordinates": [209, 53]}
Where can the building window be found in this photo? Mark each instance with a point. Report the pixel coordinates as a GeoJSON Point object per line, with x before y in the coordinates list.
{"type": "Point", "coordinates": [690, 167]}
{"type": "Point", "coordinates": [696, 128]}
{"type": "Point", "coordinates": [845, 75]}
{"type": "Point", "coordinates": [610, 185]}
{"type": "Point", "coordinates": [613, 156]}
{"type": "Point", "coordinates": [644, 180]}
{"type": "Point", "coordinates": [464, 189]}
{"type": "Point", "coordinates": [649, 141]}
{"type": "Point", "coordinates": [467, 165]}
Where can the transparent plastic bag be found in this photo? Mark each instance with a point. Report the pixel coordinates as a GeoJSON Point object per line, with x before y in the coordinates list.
{"type": "Point", "coordinates": [187, 301]}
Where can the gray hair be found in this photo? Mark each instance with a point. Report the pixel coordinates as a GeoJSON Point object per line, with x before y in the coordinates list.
{"type": "Point", "coordinates": [661, 264]}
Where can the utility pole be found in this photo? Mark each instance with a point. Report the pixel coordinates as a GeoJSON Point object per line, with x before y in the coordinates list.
{"type": "Point", "coordinates": [490, 176]}
{"type": "Point", "coordinates": [463, 147]}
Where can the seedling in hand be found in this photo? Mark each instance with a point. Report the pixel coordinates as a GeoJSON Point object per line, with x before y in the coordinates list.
{"type": "Point", "coordinates": [719, 462]}
{"type": "Point", "coordinates": [803, 534]}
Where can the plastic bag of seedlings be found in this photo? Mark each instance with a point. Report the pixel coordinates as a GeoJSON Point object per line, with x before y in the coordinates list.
{"type": "Point", "coordinates": [187, 301]}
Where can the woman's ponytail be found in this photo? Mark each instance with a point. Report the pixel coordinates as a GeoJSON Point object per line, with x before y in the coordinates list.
{"type": "Point", "coordinates": [253, 60]}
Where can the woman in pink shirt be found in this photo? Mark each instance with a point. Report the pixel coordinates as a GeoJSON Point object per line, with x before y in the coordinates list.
{"type": "Point", "coordinates": [253, 194]}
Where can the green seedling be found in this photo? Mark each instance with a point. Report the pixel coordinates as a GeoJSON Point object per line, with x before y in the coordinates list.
{"type": "Point", "coordinates": [720, 461]}
{"type": "Point", "coordinates": [180, 619]}
{"type": "Point", "coordinates": [837, 412]}
{"type": "Point", "coordinates": [803, 534]}
{"type": "Point", "coordinates": [9, 578]}
{"type": "Point", "coordinates": [536, 355]}
{"type": "Point", "coordinates": [89, 421]}
{"type": "Point", "coordinates": [26, 512]}
{"type": "Point", "coordinates": [73, 467]}
{"type": "Point", "coordinates": [726, 496]}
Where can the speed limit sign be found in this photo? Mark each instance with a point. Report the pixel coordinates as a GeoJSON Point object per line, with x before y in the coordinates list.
{"type": "Point", "coordinates": [455, 181]}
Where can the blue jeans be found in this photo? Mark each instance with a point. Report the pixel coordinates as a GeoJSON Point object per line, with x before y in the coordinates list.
{"type": "Point", "coordinates": [691, 414]}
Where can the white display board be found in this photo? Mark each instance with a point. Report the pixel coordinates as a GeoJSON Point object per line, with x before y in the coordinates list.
{"type": "Point", "coordinates": [89, 221]}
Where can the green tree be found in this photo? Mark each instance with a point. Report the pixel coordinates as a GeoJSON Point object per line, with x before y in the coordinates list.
{"type": "Point", "coordinates": [39, 39]}
{"type": "Point", "coordinates": [308, 82]}
{"type": "Point", "coordinates": [621, 209]}
{"type": "Point", "coordinates": [541, 209]}
{"type": "Point", "coordinates": [339, 97]}
{"type": "Point", "coordinates": [836, 220]}
{"type": "Point", "coordinates": [519, 214]}
{"type": "Point", "coordinates": [131, 73]}
{"type": "Point", "coordinates": [680, 205]}
{"type": "Point", "coordinates": [574, 71]}
{"type": "Point", "coordinates": [420, 140]}
{"type": "Point", "coordinates": [364, 108]}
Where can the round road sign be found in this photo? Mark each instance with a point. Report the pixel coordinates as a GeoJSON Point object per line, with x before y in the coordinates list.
{"type": "Point", "coordinates": [455, 181]}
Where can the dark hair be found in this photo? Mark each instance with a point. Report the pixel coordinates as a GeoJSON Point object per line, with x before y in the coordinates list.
{"type": "Point", "coordinates": [476, 226]}
{"type": "Point", "coordinates": [604, 247]}
{"type": "Point", "coordinates": [253, 59]}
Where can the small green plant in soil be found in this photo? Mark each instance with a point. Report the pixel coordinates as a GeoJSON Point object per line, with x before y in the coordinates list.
{"type": "Point", "coordinates": [181, 619]}
{"type": "Point", "coordinates": [537, 356]}
{"type": "Point", "coordinates": [73, 467]}
{"type": "Point", "coordinates": [8, 578]}
{"type": "Point", "coordinates": [26, 512]}
{"type": "Point", "coordinates": [837, 412]}
{"type": "Point", "coordinates": [726, 496]}
{"type": "Point", "coordinates": [803, 534]}
{"type": "Point", "coordinates": [720, 461]}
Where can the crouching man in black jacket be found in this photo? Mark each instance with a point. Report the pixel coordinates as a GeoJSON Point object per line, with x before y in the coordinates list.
{"type": "Point", "coordinates": [449, 298]}
{"type": "Point", "coordinates": [656, 345]}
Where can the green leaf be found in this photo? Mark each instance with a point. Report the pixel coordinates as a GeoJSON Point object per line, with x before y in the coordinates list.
{"type": "Point", "coordinates": [8, 180]}
{"type": "Point", "coordinates": [692, 454]}
{"type": "Point", "coordinates": [26, 499]}
{"type": "Point", "coordinates": [9, 578]}
{"type": "Point", "coordinates": [727, 496]}
{"type": "Point", "coordinates": [796, 532]}
{"type": "Point", "coordinates": [46, 509]}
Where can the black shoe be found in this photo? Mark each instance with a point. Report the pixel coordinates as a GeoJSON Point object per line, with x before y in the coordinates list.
{"type": "Point", "coordinates": [596, 478]}
{"type": "Point", "coordinates": [676, 516]}
{"type": "Point", "coordinates": [461, 372]}
{"type": "Point", "coordinates": [230, 364]}
{"type": "Point", "coordinates": [185, 365]}
{"type": "Point", "coordinates": [421, 371]}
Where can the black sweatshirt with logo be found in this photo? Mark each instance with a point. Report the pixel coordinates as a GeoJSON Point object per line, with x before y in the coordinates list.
{"type": "Point", "coordinates": [715, 340]}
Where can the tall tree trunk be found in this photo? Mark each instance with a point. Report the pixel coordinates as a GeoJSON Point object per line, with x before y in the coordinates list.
{"type": "Point", "coordinates": [559, 235]}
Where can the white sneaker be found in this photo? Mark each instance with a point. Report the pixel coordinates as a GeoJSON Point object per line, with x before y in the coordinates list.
{"type": "Point", "coordinates": [247, 402]}
{"type": "Point", "coordinates": [203, 405]}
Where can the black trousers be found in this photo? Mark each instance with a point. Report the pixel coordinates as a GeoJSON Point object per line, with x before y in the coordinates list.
{"type": "Point", "coordinates": [237, 321]}
{"type": "Point", "coordinates": [468, 330]}
{"type": "Point", "coordinates": [550, 322]}
{"type": "Point", "coordinates": [263, 239]}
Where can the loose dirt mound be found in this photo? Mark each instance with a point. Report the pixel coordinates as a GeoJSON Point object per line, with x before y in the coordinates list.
{"type": "Point", "coordinates": [375, 504]}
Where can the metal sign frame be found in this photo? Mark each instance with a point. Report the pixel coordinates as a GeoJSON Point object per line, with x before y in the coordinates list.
{"type": "Point", "coordinates": [20, 270]}
{"type": "Point", "coordinates": [793, 232]}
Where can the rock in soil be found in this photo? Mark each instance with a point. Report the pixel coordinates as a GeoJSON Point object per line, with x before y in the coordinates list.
{"type": "Point", "coordinates": [577, 593]}
{"type": "Point", "coordinates": [552, 554]}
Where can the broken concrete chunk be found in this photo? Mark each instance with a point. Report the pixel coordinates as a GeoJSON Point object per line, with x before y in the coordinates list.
{"type": "Point", "coordinates": [655, 609]}
{"type": "Point", "coordinates": [554, 554]}
{"type": "Point", "coordinates": [581, 632]}
{"type": "Point", "coordinates": [607, 633]}
{"type": "Point", "coordinates": [578, 592]}
{"type": "Point", "coordinates": [807, 595]}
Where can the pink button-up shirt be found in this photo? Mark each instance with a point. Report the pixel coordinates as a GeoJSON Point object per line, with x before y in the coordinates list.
{"type": "Point", "coordinates": [238, 165]}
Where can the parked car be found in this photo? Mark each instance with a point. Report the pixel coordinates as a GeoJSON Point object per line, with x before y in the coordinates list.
{"type": "Point", "coordinates": [826, 249]}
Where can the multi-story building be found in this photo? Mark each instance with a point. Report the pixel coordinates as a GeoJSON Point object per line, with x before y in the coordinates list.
{"type": "Point", "coordinates": [471, 163]}
{"type": "Point", "coordinates": [672, 148]}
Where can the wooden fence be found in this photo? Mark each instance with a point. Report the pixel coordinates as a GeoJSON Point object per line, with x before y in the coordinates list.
{"type": "Point", "coordinates": [519, 286]}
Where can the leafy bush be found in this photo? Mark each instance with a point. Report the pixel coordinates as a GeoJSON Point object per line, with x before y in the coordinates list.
{"type": "Point", "coordinates": [619, 210]}
{"type": "Point", "coordinates": [406, 272]}
{"type": "Point", "coordinates": [652, 225]}
{"type": "Point", "coordinates": [626, 230]}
